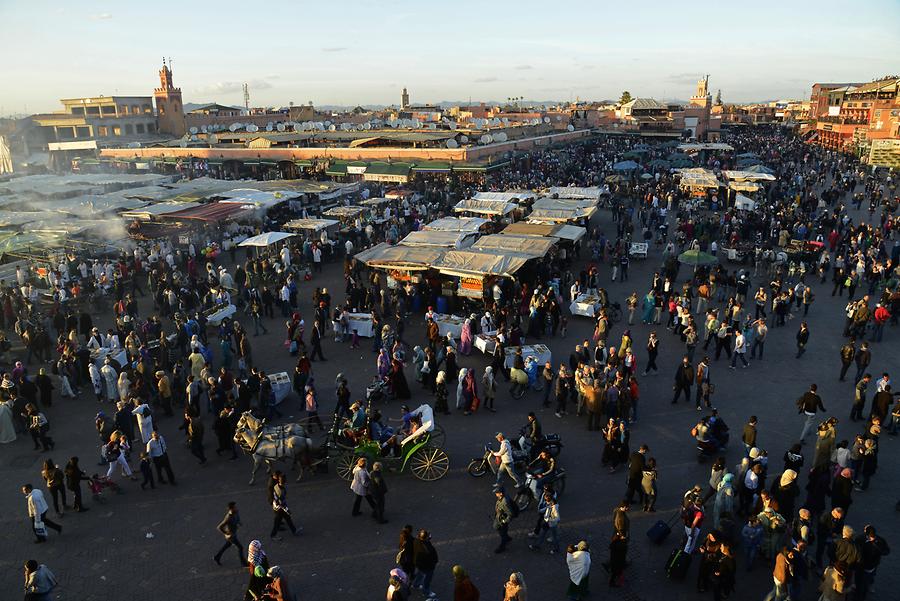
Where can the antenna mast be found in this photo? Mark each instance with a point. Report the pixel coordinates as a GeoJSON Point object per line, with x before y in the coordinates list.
{"type": "Point", "coordinates": [247, 97]}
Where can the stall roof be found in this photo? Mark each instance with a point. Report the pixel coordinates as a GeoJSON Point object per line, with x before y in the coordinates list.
{"type": "Point", "coordinates": [484, 207]}
{"type": "Point", "coordinates": [348, 212]}
{"type": "Point", "coordinates": [258, 198]}
{"type": "Point", "coordinates": [457, 224]}
{"type": "Point", "coordinates": [466, 263]}
{"type": "Point", "coordinates": [571, 232]}
{"type": "Point", "coordinates": [216, 211]}
{"type": "Point", "coordinates": [407, 258]}
{"type": "Point", "coordinates": [436, 238]}
{"type": "Point", "coordinates": [592, 193]}
{"type": "Point", "coordinates": [265, 239]}
{"type": "Point", "coordinates": [705, 146]}
{"type": "Point", "coordinates": [699, 177]}
{"type": "Point", "coordinates": [576, 209]}
{"type": "Point", "coordinates": [506, 243]}
{"type": "Point", "coordinates": [750, 176]}
{"type": "Point", "coordinates": [158, 209]}
{"type": "Point", "coordinates": [310, 224]}
{"type": "Point", "coordinates": [374, 202]}
{"type": "Point", "coordinates": [744, 186]}
{"type": "Point", "coordinates": [522, 228]}
{"type": "Point", "coordinates": [744, 203]}
{"type": "Point", "coordinates": [511, 196]}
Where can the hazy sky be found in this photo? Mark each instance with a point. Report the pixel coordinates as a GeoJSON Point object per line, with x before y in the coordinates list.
{"type": "Point", "coordinates": [358, 52]}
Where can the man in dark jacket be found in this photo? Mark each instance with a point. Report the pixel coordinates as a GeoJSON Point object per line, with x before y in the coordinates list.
{"type": "Point", "coordinates": [748, 437]}
{"type": "Point", "coordinates": [871, 547]}
{"type": "Point", "coordinates": [848, 353]}
{"type": "Point", "coordinates": [636, 464]}
{"type": "Point", "coordinates": [229, 527]}
{"type": "Point", "coordinates": [425, 558]}
{"type": "Point", "coordinates": [830, 527]}
{"type": "Point", "coordinates": [684, 378]}
{"type": "Point", "coordinates": [809, 404]}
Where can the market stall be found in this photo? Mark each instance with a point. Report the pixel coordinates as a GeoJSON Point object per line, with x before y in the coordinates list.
{"type": "Point", "coordinates": [484, 207]}
{"type": "Point", "coordinates": [362, 323]}
{"type": "Point", "coordinates": [486, 342]}
{"type": "Point", "coordinates": [265, 239]}
{"type": "Point", "coordinates": [440, 239]}
{"type": "Point", "coordinates": [98, 356]}
{"type": "Point", "coordinates": [590, 193]}
{"type": "Point", "coordinates": [540, 352]}
{"type": "Point", "coordinates": [459, 224]}
{"type": "Point", "coordinates": [215, 315]}
{"type": "Point", "coordinates": [587, 305]}
{"type": "Point", "coordinates": [311, 226]}
{"type": "Point", "coordinates": [449, 324]}
{"type": "Point", "coordinates": [524, 245]}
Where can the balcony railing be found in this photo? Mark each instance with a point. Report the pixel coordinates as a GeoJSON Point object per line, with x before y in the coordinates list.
{"type": "Point", "coordinates": [844, 120]}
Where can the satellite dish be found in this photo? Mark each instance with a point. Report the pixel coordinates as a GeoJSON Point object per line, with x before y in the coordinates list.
{"type": "Point", "coordinates": [559, 117]}
{"type": "Point", "coordinates": [506, 119]}
{"type": "Point", "coordinates": [280, 127]}
{"type": "Point", "coordinates": [501, 137]}
{"type": "Point", "coordinates": [367, 125]}
{"type": "Point", "coordinates": [320, 126]}
{"type": "Point", "coordinates": [452, 144]}
{"type": "Point", "coordinates": [464, 139]}
{"type": "Point", "coordinates": [488, 138]}
{"type": "Point", "coordinates": [194, 138]}
{"type": "Point", "coordinates": [269, 127]}
{"type": "Point", "coordinates": [328, 123]}
{"type": "Point", "coordinates": [453, 125]}
{"type": "Point", "coordinates": [546, 119]}
{"type": "Point", "coordinates": [332, 127]}
{"type": "Point", "coordinates": [570, 127]}
{"type": "Point", "coordinates": [134, 145]}
{"type": "Point", "coordinates": [213, 139]}
{"type": "Point", "coordinates": [252, 128]}
{"type": "Point", "coordinates": [193, 130]}
{"type": "Point", "coordinates": [359, 127]}
{"type": "Point", "coordinates": [234, 127]}
{"type": "Point", "coordinates": [203, 129]}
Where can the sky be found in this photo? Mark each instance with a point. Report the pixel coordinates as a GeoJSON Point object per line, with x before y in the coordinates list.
{"type": "Point", "coordinates": [349, 52]}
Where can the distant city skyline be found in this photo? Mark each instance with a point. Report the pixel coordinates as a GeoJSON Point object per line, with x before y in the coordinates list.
{"type": "Point", "coordinates": [356, 52]}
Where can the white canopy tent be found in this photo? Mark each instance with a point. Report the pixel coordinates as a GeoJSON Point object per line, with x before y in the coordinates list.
{"type": "Point", "coordinates": [457, 224]}
{"type": "Point", "coordinates": [484, 207]}
{"type": "Point", "coordinates": [744, 203]}
{"type": "Point", "coordinates": [311, 224]}
{"type": "Point", "coordinates": [506, 243]}
{"type": "Point", "coordinates": [437, 238]}
{"type": "Point", "coordinates": [512, 196]}
{"type": "Point", "coordinates": [406, 258]}
{"type": "Point", "coordinates": [591, 193]}
{"type": "Point", "coordinates": [265, 239]}
{"type": "Point", "coordinates": [749, 176]}
{"type": "Point", "coordinates": [466, 263]}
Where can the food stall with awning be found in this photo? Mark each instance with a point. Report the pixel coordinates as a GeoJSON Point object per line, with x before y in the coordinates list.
{"type": "Point", "coordinates": [578, 209]}
{"type": "Point", "coordinates": [265, 239]}
{"type": "Point", "coordinates": [484, 207]}
{"type": "Point", "coordinates": [311, 225]}
{"type": "Point", "coordinates": [476, 270]}
{"type": "Point", "coordinates": [749, 176]}
{"type": "Point", "coordinates": [508, 243]}
{"type": "Point", "coordinates": [592, 193]}
{"type": "Point", "coordinates": [514, 196]}
{"type": "Point", "coordinates": [210, 213]}
{"type": "Point", "coordinates": [439, 239]}
{"type": "Point", "coordinates": [698, 181]}
{"type": "Point", "coordinates": [459, 224]}
{"type": "Point", "coordinates": [402, 263]}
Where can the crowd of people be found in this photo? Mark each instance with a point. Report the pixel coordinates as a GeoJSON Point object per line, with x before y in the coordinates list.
{"type": "Point", "coordinates": [164, 362]}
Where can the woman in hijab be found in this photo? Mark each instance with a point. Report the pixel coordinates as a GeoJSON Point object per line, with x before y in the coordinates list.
{"type": "Point", "coordinates": [259, 567]}
{"type": "Point", "coordinates": [398, 380]}
{"type": "Point", "coordinates": [460, 396]}
{"type": "Point", "coordinates": [418, 361]}
{"type": "Point", "coordinates": [465, 338]}
{"type": "Point", "coordinates": [489, 388]}
{"type": "Point", "coordinates": [440, 393]}
{"type": "Point", "coordinates": [515, 589]}
{"type": "Point", "coordinates": [7, 427]}
{"type": "Point", "coordinates": [786, 491]}
{"type": "Point", "coordinates": [578, 559]}
{"type": "Point", "coordinates": [470, 393]}
{"type": "Point", "coordinates": [463, 589]}
{"type": "Point", "coordinates": [648, 307]}
{"type": "Point", "coordinates": [123, 385]}
{"type": "Point", "coordinates": [724, 502]}
{"type": "Point", "coordinates": [429, 371]}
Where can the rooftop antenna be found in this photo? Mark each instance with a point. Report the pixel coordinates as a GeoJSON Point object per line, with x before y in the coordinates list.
{"type": "Point", "coordinates": [247, 97]}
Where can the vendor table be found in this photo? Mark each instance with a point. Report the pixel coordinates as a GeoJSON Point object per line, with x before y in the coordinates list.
{"type": "Point", "coordinates": [585, 304]}
{"type": "Point", "coordinates": [216, 318]}
{"type": "Point", "coordinates": [540, 353]}
{"type": "Point", "coordinates": [362, 323]}
{"type": "Point", "coordinates": [99, 357]}
{"type": "Point", "coordinates": [486, 342]}
{"type": "Point", "coordinates": [449, 323]}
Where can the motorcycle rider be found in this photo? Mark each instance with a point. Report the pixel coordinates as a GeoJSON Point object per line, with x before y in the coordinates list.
{"type": "Point", "coordinates": [532, 435]}
{"type": "Point", "coordinates": [542, 469]}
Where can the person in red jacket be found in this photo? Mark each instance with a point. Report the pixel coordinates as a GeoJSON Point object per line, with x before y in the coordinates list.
{"type": "Point", "coordinates": [882, 315]}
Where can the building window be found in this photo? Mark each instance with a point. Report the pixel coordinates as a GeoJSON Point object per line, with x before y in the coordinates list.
{"type": "Point", "coordinates": [129, 129]}
{"type": "Point", "coordinates": [92, 110]}
{"type": "Point", "coordinates": [117, 131]}
{"type": "Point", "coordinates": [162, 110]}
{"type": "Point", "coordinates": [77, 110]}
{"type": "Point", "coordinates": [139, 128]}
{"type": "Point", "coordinates": [103, 131]}
{"type": "Point", "coordinates": [148, 109]}
{"type": "Point", "coordinates": [83, 132]}
{"type": "Point", "coordinates": [135, 110]}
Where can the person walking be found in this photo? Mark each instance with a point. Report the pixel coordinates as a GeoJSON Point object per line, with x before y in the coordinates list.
{"type": "Point", "coordinates": [809, 404]}
{"type": "Point", "coordinates": [281, 510]}
{"type": "Point", "coordinates": [463, 588]}
{"type": "Point", "coordinates": [361, 486]}
{"type": "Point", "coordinates": [195, 432]}
{"type": "Point", "coordinates": [684, 378]}
{"type": "Point", "coordinates": [74, 477]}
{"type": "Point", "coordinates": [502, 517]}
{"type": "Point", "coordinates": [55, 480]}
{"type": "Point", "coordinates": [848, 354]}
{"type": "Point", "coordinates": [740, 350]}
{"type": "Point", "coordinates": [37, 511]}
{"type": "Point", "coordinates": [863, 359]}
{"type": "Point", "coordinates": [549, 525]}
{"type": "Point", "coordinates": [378, 488]}
{"type": "Point", "coordinates": [425, 558]}
{"type": "Point", "coordinates": [315, 340]}
{"type": "Point", "coordinates": [229, 527]}
{"type": "Point", "coordinates": [652, 353]}
{"type": "Point", "coordinates": [859, 398]}
{"type": "Point", "coordinates": [781, 575]}
{"type": "Point", "coordinates": [158, 452]}
{"type": "Point", "coordinates": [748, 436]}
{"type": "Point", "coordinates": [802, 339]}
{"type": "Point", "coordinates": [39, 581]}
{"type": "Point", "coordinates": [507, 464]}
{"type": "Point", "coordinates": [636, 464]}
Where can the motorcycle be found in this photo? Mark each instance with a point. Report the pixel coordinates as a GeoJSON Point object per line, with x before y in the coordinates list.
{"type": "Point", "coordinates": [551, 442]}
{"type": "Point", "coordinates": [712, 447]}
{"type": "Point", "coordinates": [525, 493]}
{"type": "Point", "coordinates": [480, 466]}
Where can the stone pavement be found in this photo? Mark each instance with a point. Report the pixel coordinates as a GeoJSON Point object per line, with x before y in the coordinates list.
{"type": "Point", "coordinates": [158, 545]}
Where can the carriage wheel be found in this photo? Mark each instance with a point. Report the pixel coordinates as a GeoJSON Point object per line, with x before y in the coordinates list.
{"type": "Point", "coordinates": [345, 464]}
{"type": "Point", "coordinates": [429, 463]}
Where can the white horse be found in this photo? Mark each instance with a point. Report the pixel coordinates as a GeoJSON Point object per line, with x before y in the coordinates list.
{"type": "Point", "coordinates": [266, 450]}
{"type": "Point", "coordinates": [270, 432]}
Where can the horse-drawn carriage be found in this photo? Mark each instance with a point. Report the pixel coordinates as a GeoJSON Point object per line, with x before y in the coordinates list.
{"type": "Point", "coordinates": [421, 450]}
